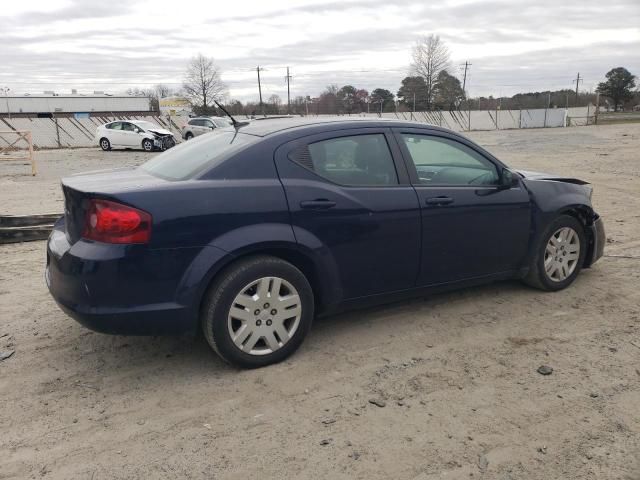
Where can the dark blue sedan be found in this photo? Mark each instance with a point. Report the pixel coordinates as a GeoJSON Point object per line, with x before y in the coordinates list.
{"type": "Point", "coordinates": [250, 232]}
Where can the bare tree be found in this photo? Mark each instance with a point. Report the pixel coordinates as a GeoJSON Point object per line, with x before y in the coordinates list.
{"type": "Point", "coordinates": [202, 84]}
{"type": "Point", "coordinates": [275, 102]}
{"type": "Point", "coordinates": [162, 91]}
{"type": "Point", "coordinates": [430, 56]}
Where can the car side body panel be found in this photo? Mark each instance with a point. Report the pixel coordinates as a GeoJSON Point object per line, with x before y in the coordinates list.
{"type": "Point", "coordinates": [250, 204]}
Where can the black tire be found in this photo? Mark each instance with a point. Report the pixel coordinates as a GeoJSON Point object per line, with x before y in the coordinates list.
{"type": "Point", "coordinates": [105, 144]}
{"type": "Point", "coordinates": [222, 293]}
{"type": "Point", "coordinates": [188, 136]}
{"type": "Point", "coordinates": [147, 145]}
{"type": "Point", "coordinates": [537, 276]}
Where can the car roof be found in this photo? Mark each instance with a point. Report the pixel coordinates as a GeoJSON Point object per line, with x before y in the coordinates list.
{"type": "Point", "coordinates": [265, 127]}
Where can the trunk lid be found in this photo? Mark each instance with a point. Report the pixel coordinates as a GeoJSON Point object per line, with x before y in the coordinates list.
{"type": "Point", "coordinates": [107, 184]}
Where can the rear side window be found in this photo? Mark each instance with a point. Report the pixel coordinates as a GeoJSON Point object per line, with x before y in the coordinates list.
{"type": "Point", "coordinates": [196, 156]}
{"type": "Point", "coordinates": [354, 160]}
{"type": "Point", "coordinates": [194, 122]}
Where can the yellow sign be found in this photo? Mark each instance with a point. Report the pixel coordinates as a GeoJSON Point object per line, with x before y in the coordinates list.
{"type": "Point", "coordinates": [174, 102]}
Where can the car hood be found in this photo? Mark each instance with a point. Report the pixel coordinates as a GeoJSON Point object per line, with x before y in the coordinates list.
{"type": "Point", "coordinates": [529, 175]}
{"type": "Point", "coordinates": [160, 131]}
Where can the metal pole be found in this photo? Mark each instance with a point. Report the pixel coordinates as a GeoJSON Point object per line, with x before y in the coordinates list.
{"type": "Point", "coordinates": [288, 93]}
{"type": "Point", "coordinates": [6, 91]}
{"type": "Point", "coordinates": [595, 120]}
{"type": "Point", "coordinates": [31, 157]}
{"type": "Point", "coordinates": [546, 108]}
{"type": "Point", "coordinates": [57, 131]}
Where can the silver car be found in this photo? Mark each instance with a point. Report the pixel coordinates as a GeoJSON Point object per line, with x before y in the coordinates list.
{"type": "Point", "coordinates": [199, 125]}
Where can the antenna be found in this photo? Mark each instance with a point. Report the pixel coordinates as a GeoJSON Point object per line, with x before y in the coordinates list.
{"type": "Point", "coordinates": [236, 124]}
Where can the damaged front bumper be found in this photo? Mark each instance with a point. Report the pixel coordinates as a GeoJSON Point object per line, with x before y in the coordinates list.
{"type": "Point", "coordinates": [597, 240]}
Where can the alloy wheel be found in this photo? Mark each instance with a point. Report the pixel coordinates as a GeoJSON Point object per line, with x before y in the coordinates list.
{"type": "Point", "coordinates": [264, 316]}
{"type": "Point", "coordinates": [562, 254]}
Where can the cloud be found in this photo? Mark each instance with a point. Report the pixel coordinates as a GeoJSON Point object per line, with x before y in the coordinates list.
{"type": "Point", "coordinates": [513, 45]}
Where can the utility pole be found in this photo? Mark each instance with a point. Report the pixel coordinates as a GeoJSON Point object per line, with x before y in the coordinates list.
{"type": "Point", "coordinates": [288, 79]}
{"type": "Point", "coordinates": [260, 89]}
{"type": "Point", "coordinates": [464, 78]}
{"type": "Point", "coordinates": [577, 80]}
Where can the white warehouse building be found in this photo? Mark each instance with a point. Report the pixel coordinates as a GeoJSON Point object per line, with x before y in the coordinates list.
{"type": "Point", "coordinates": [49, 103]}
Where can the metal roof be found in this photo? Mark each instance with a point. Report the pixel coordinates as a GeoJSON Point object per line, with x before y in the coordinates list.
{"type": "Point", "coordinates": [264, 127]}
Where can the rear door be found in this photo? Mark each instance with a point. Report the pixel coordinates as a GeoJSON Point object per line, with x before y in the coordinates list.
{"type": "Point", "coordinates": [350, 199]}
{"type": "Point", "coordinates": [471, 225]}
{"type": "Point", "coordinates": [199, 126]}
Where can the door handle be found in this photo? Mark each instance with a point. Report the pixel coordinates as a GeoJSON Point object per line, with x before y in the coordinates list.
{"type": "Point", "coordinates": [439, 201]}
{"type": "Point", "coordinates": [318, 204]}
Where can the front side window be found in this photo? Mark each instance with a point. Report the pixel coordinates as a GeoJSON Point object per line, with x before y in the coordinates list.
{"type": "Point", "coordinates": [441, 161]}
{"type": "Point", "coordinates": [208, 123]}
{"type": "Point", "coordinates": [115, 126]}
{"type": "Point", "coordinates": [129, 127]}
{"type": "Point", "coordinates": [354, 160]}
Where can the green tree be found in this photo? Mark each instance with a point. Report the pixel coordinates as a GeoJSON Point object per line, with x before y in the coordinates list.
{"type": "Point", "coordinates": [347, 98]}
{"type": "Point", "coordinates": [410, 87]}
{"type": "Point", "coordinates": [618, 86]}
{"type": "Point", "coordinates": [448, 91]}
{"type": "Point", "coordinates": [385, 96]}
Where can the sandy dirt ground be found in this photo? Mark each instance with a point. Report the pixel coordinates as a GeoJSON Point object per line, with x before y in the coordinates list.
{"type": "Point", "coordinates": [454, 374]}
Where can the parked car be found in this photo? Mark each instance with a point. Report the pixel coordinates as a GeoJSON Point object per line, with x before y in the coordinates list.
{"type": "Point", "coordinates": [134, 134]}
{"type": "Point", "coordinates": [250, 233]}
{"type": "Point", "coordinates": [198, 126]}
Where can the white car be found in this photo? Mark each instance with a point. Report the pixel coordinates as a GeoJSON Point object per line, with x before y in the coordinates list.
{"type": "Point", "coordinates": [134, 134]}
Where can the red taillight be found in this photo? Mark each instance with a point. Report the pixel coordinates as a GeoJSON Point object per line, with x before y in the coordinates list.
{"type": "Point", "coordinates": [112, 222]}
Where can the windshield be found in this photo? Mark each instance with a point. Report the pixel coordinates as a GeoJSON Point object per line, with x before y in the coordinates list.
{"type": "Point", "coordinates": [195, 156]}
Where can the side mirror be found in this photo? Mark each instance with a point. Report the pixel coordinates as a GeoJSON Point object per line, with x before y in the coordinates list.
{"type": "Point", "coordinates": [508, 179]}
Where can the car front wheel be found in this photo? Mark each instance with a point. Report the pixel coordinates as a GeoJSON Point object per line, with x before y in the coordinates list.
{"type": "Point", "coordinates": [147, 145]}
{"type": "Point", "coordinates": [559, 255]}
{"type": "Point", "coordinates": [258, 311]}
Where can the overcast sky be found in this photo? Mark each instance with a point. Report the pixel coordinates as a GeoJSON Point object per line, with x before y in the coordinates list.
{"type": "Point", "coordinates": [513, 45]}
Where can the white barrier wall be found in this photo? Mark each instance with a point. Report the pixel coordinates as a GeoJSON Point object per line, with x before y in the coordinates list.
{"type": "Point", "coordinates": [79, 131]}
{"type": "Point", "coordinates": [70, 132]}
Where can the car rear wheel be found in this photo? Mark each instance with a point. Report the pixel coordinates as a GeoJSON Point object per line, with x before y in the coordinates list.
{"type": "Point", "coordinates": [559, 255]}
{"type": "Point", "coordinates": [104, 144]}
{"type": "Point", "coordinates": [147, 145]}
{"type": "Point", "coordinates": [258, 312]}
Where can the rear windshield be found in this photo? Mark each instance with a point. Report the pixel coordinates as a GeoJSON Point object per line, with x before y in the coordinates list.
{"type": "Point", "coordinates": [193, 157]}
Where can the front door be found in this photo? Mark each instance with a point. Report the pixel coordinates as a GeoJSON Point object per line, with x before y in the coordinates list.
{"type": "Point", "coordinates": [350, 198]}
{"type": "Point", "coordinates": [130, 135]}
{"type": "Point", "coordinates": [471, 225]}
